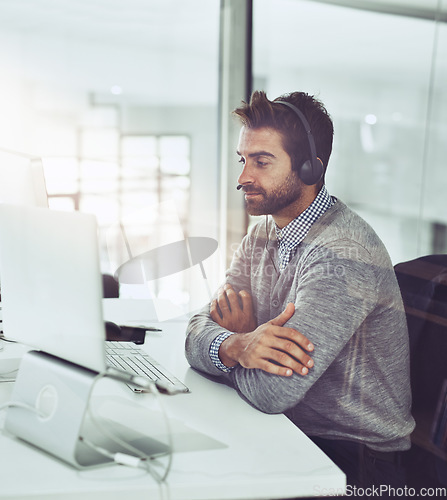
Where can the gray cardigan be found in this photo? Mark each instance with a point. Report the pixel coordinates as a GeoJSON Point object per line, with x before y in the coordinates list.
{"type": "Point", "coordinates": [348, 304]}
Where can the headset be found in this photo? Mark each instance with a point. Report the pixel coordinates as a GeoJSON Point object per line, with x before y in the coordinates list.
{"type": "Point", "coordinates": [311, 171]}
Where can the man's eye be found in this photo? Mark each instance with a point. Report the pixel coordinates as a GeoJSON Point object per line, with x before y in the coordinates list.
{"type": "Point", "coordinates": [241, 160]}
{"type": "Point", "coordinates": [261, 163]}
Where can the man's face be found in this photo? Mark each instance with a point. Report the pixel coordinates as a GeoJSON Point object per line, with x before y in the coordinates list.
{"type": "Point", "coordinates": [269, 183]}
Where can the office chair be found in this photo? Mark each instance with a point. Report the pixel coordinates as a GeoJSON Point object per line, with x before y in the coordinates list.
{"type": "Point", "coordinates": [110, 286]}
{"type": "Point", "coordinates": [423, 285]}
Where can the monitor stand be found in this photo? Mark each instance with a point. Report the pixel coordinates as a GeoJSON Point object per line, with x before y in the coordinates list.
{"type": "Point", "coordinates": [52, 397]}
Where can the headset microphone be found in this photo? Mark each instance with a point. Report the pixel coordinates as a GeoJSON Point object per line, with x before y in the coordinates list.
{"type": "Point", "coordinates": [239, 186]}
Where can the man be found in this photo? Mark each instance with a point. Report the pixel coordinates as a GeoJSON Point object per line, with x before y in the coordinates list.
{"type": "Point", "coordinates": [310, 322]}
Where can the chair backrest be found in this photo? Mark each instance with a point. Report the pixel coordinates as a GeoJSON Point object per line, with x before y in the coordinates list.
{"type": "Point", "coordinates": [110, 286]}
{"type": "Point", "coordinates": [423, 284]}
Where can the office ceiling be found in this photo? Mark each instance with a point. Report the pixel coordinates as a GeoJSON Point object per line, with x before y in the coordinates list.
{"type": "Point", "coordinates": [146, 50]}
{"type": "Point", "coordinates": [146, 47]}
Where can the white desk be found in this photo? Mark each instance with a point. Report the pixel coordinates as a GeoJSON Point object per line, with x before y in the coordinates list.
{"type": "Point", "coordinates": [265, 456]}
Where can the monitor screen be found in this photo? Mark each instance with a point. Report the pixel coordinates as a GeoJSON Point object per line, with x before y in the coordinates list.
{"type": "Point", "coordinates": [22, 180]}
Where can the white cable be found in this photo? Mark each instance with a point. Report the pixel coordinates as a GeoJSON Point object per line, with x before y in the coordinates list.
{"type": "Point", "coordinates": [113, 437]}
{"type": "Point", "coordinates": [97, 448]}
{"type": "Point", "coordinates": [11, 378]}
{"type": "Point", "coordinates": [19, 404]}
{"type": "Point", "coordinates": [141, 459]}
{"type": "Point", "coordinates": [119, 458]}
{"type": "Point", "coordinates": [130, 460]}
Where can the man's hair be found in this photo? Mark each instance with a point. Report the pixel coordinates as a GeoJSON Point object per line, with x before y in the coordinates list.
{"type": "Point", "coordinates": [261, 112]}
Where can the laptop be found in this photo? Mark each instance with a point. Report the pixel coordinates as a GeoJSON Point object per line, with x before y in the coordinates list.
{"type": "Point", "coordinates": [52, 287]}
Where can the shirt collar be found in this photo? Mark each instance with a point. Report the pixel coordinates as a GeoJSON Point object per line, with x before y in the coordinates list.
{"type": "Point", "coordinates": [295, 232]}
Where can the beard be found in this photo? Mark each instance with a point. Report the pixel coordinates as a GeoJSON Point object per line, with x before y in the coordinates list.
{"type": "Point", "coordinates": [278, 199]}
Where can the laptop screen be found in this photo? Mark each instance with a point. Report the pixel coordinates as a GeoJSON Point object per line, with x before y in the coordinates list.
{"type": "Point", "coordinates": [51, 283]}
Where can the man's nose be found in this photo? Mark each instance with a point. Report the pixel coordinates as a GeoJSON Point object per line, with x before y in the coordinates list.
{"type": "Point", "coordinates": [245, 176]}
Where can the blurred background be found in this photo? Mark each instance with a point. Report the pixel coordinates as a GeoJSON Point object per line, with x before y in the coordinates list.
{"type": "Point", "coordinates": [127, 105]}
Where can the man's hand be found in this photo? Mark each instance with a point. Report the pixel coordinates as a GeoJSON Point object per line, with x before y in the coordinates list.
{"type": "Point", "coordinates": [233, 311]}
{"type": "Point", "coordinates": [270, 347]}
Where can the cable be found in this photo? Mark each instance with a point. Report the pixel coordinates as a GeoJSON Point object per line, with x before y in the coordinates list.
{"type": "Point", "coordinates": [4, 339]}
{"type": "Point", "coordinates": [125, 444]}
{"type": "Point", "coordinates": [141, 460]}
{"type": "Point", "coordinates": [19, 404]}
{"type": "Point", "coordinates": [128, 460]}
{"type": "Point", "coordinates": [9, 376]}
{"type": "Point", "coordinates": [119, 458]}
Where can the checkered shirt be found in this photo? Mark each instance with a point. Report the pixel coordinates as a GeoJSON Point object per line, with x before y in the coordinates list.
{"type": "Point", "coordinates": [214, 351]}
{"type": "Point", "coordinates": [294, 233]}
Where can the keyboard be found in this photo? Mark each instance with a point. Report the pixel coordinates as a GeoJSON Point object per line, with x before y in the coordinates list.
{"type": "Point", "coordinates": [132, 359]}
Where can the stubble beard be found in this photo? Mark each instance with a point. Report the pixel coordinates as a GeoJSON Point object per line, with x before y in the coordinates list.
{"type": "Point", "coordinates": [278, 199]}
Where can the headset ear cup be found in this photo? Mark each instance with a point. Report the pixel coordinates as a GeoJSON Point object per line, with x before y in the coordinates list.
{"type": "Point", "coordinates": [310, 172]}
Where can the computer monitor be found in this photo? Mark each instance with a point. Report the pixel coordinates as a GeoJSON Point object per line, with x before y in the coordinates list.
{"type": "Point", "coordinates": [50, 269]}
{"type": "Point", "coordinates": [22, 180]}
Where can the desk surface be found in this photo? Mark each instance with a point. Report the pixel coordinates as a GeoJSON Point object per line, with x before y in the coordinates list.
{"type": "Point", "coordinates": [265, 456]}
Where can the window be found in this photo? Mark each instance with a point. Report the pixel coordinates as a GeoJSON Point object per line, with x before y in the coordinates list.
{"type": "Point", "coordinates": [381, 77]}
{"type": "Point", "coordinates": [119, 99]}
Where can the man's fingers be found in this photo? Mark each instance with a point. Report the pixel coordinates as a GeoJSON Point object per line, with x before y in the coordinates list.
{"type": "Point", "coordinates": [232, 298]}
{"type": "Point", "coordinates": [276, 352]}
{"type": "Point", "coordinates": [289, 333]}
{"type": "Point", "coordinates": [284, 316]}
{"type": "Point", "coordinates": [214, 312]}
{"type": "Point", "coordinates": [227, 299]}
{"type": "Point", "coordinates": [247, 302]}
{"type": "Point", "coordinates": [296, 338]}
{"type": "Point", "coordinates": [223, 302]}
{"type": "Point", "coordinates": [271, 366]}
{"type": "Point", "coordinates": [284, 360]}
{"type": "Point", "coordinates": [288, 353]}
{"type": "Point", "coordinates": [275, 369]}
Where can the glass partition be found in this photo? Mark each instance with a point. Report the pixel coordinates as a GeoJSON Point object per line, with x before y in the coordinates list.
{"type": "Point", "coordinates": [381, 77]}
{"type": "Point", "coordinates": [119, 99]}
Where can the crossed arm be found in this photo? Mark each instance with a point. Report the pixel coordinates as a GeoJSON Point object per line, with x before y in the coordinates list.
{"type": "Point", "coordinates": [270, 358]}
{"type": "Point", "coordinates": [271, 347]}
